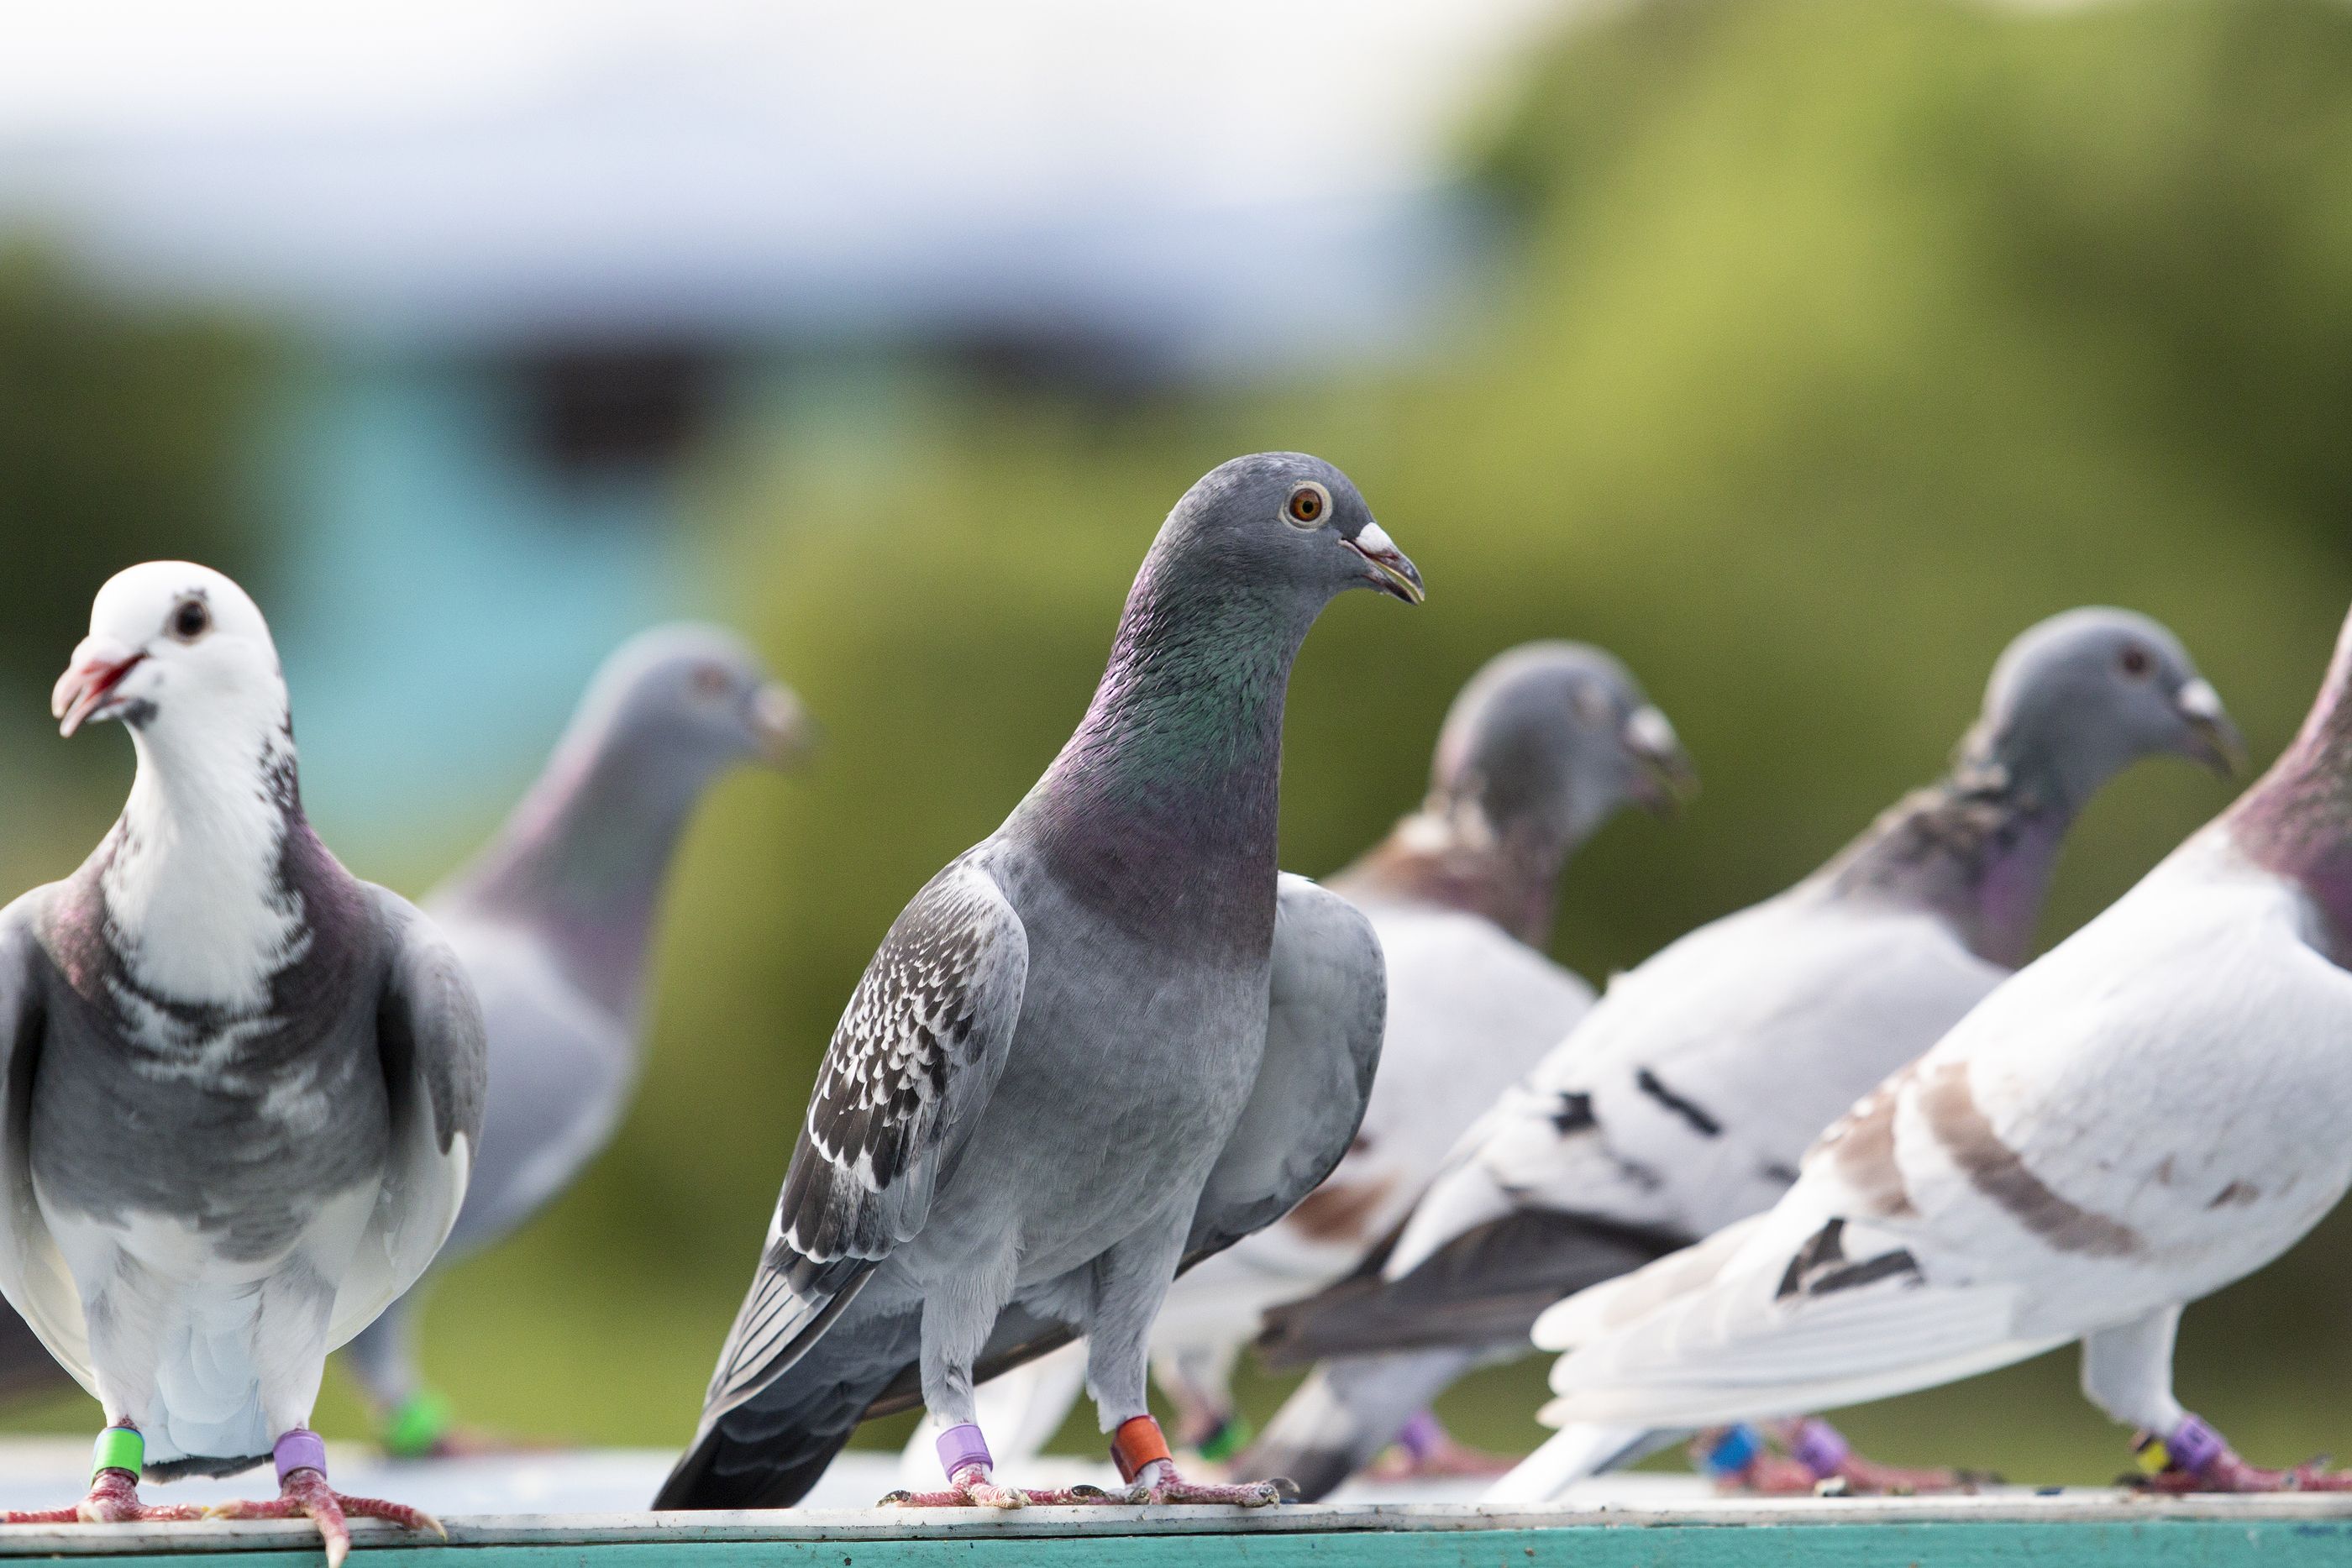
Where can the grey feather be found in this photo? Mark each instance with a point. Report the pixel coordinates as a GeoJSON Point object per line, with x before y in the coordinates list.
{"type": "Point", "coordinates": [1054, 1171]}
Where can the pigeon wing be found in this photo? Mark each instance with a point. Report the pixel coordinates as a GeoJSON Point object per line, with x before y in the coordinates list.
{"type": "Point", "coordinates": [1325, 1011]}
{"type": "Point", "coordinates": [428, 1031]}
{"type": "Point", "coordinates": [33, 1274]}
{"type": "Point", "coordinates": [911, 1065]}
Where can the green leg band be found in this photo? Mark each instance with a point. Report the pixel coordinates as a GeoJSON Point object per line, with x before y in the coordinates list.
{"type": "Point", "coordinates": [1231, 1436]}
{"type": "Point", "coordinates": [417, 1426]}
{"type": "Point", "coordinates": [118, 1449]}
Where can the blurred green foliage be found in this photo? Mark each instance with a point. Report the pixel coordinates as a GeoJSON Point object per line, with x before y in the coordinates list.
{"type": "Point", "coordinates": [123, 435]}
{"type": "Point", "coordinates": [1834, 342]}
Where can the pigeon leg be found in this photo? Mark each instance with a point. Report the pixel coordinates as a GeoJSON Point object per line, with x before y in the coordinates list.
{"type": "Point", "coordinates": [2194, 1457]}
{"type": "Point", "coordinates": [1140, 1450]}
{"type": "Point", "coordinates": [113, 1489]}
{"type": "Point", "coordinates": [1813, 1457]}
{"type": "Point", "coordinates": [303, 1494]}
{"type": "Point", "coordinates": [971, 1483]}
{"type": "Point", "coordinates": [1425, 1450]}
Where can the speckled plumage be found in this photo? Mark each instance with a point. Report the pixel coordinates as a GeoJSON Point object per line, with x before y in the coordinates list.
{"type": "Point", "coordinates": [1042, 1090]}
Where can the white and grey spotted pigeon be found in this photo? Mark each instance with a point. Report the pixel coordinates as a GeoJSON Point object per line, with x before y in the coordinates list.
{"type": "Point", "coordinates": [1685, 1099]}
{"type": "Point", "coordinates": [1110, 1038]}
{"type": "Point", "coordinates": [1542, 748]}
{"type": "Point", "coordinates": [243, 1087]}
{"type": "Point", "coordinates": [2151, 1111]}
{"type": "Point", "coordinates": [554, 923]}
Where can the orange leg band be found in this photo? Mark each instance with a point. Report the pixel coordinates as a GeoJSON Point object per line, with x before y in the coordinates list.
{"type": "Point", "coordinates": [1137, 1443]}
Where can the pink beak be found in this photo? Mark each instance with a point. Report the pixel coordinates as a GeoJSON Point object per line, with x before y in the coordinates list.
{"type": "Point", "coordinates": [98, 667]}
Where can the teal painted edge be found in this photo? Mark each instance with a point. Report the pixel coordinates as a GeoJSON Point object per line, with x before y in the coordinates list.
{"type": "Point", "coordinates": [2149, 1543]}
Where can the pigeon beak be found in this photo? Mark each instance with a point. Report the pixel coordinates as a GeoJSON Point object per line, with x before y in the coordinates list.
{"type": "Point", "coordinates": [2213, 740]}
{"type": "Point", "coordinates": [781, 730]}
{"type": "Point", "coordinates": [1391, 571]}
{"type": "Point", "coordinates": [1665, 777]}
{"type": "Point", "coordinates": [99, 666]}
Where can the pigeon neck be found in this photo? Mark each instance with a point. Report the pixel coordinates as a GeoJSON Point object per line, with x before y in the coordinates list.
{"type": "Point", "coordinates": [1976, 848]}
{"type": "Point", "coordinates": [2296, 820]}
{"type": "Point", "coordinates": [582, 858]}
{"type": "Point", "coordinates": [1450, 853]}
{"type": "Point", "coordinates": [193, 876]}
{"type": "Point", "coordinates": [1163, 804]}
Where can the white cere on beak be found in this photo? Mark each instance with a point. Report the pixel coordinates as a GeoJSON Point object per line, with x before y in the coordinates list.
{"type": "Point", "coordinates": [1372, 537]}
{"type": "Point", "coordinates": [2199, 700]}
{"type": "Point", "coordinates": [1647, 731]}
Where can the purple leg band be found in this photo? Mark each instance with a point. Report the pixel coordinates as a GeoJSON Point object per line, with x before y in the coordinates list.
{"type": "Point", "coordinates": [1422, 1436]}
{"type": "Point", "coordinates": [2193, 1445]}
{"type": "Point", "coordinates": [301, 1450]}
{"type": "Point", "coordinates": [1819, 1447]}
{"type": "Point", "coordinates": [963, 1448]}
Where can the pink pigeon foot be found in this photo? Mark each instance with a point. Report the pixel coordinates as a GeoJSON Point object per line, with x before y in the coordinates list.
{"type": "Point", "coordinates": [1425, 1450]}
{"type": "Point", "coordinates": [2198, 1459]}
{"type": "Point", "coordinates": [113, 1500]}
{"type": "Point", "coordinates": [304, 1494]}
{"type": "Point", "coordinates": [1140, 1450]}
{"type": "Point", "coordinates": [1817, 1459]}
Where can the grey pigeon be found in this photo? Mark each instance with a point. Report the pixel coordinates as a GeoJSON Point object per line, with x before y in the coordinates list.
{"type": "Point", "coordinates": [1544, 744]}
{"type": "Point", "coordinates": [554, 922]}
{"type": "Point", "coordinates": [244, 1088]}
{"type": "Point", "coordinates": [1110, 1037]}
{"type": "Point", "coordinates": [1683, 1101]}
{"type": "Point", "coordinates": [2150, 1111]}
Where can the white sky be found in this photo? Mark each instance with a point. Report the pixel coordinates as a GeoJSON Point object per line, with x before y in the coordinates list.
{"type": "Point", "coordinates": [1240, 97]}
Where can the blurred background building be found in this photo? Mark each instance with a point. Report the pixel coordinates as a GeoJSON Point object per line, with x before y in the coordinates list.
{"type": "Point", "coordinates": [1799, 351]}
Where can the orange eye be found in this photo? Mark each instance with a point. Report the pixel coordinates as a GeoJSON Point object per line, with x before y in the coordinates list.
{"type": "Point", "coordinates": [1307, 505]}
{"type": "Point", "coordinates": [2135, 659]}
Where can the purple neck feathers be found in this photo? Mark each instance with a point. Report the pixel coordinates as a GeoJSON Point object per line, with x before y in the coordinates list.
{"type": "Point", "coordinates": [583, 861]}
{"type": "Point", "coordinates": [2296, 819]}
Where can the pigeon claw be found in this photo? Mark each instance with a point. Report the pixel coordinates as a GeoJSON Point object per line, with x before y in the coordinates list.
{"type": "Point", "coordinates": [979, 1492]}
{"type": "Point", "coordinates": [113, 1500]}
{"type": "Point", "coordinates": [306, 1495]}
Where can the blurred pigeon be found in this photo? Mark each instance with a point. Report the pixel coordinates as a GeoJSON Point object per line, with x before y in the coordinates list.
{"type": "Point", "coordinates": [554, 921]}
{"type": "Point", "coordinates": [1108, 1038]}
{"type": "Point", "coordinates": [1685, 1099]}
{"type": "Point", "coordinates": [2150, 1111]}
{"type": "Point", "coordinates": [1540, 749]}
{"type": "Point", "coordinates": [243, 1087]}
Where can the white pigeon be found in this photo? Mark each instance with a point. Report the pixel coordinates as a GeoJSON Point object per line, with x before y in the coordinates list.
{"type": "Point", "coordinates": [1685, 1099]}
{"type": "Point", "coordinates": [2154, 1110]}
{"type": "Point", "coordinates": [242, 1087]}
{"type": "Point", "coordinates": [1545, 744]}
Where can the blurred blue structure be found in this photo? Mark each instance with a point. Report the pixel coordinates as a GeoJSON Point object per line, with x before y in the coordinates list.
{"type": "Point", "coordinates": [524, 315]}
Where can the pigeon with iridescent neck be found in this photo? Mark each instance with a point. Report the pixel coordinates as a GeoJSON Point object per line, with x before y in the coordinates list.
{"type": "Point", "coordinates": [1683, 1101]}
{"type": "Point", "coordinates": [2152, 1111]}
{"type": "Point", "coordinates": [243, 1087]}
{"type": "Point", "coordinates": [1542, 747]}
{"type": "Point", "coordinates": [1110, 1038]}
{"type": "Point", "coordinates": [554, 922]}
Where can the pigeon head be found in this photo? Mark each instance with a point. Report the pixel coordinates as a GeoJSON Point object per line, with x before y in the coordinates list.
{"type": "Point", "coordinates": [1284, 525]}
{"type": "Point", "coordinates": [1557, 736]}
{"type": "Point", "coordinates": [176, 652]}
{"type": "Point", "coordinates": [2078, 698]}
{"type": "Point", "coordinates": [698, 697]}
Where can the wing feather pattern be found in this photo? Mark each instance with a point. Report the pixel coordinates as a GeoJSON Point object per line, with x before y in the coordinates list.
{"type": "Point", "coordinates": [913, 1061]}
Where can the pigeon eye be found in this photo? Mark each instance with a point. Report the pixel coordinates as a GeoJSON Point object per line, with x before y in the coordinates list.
{"type": "Point", "coordinates": [710, 681]}
{"type": "Point", "coordinates": [2134, 660]}
{"type": "Point", "coordinates": [190, 619]}
{"type": "Point", "coordinates": [1307, 505]}
{"type": "Point", "coordinates": [1591, 705]}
